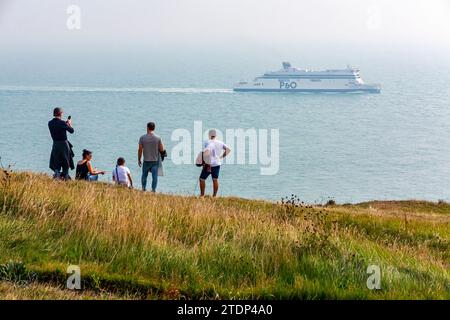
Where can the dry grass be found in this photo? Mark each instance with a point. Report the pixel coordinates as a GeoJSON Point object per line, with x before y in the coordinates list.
{"type": "Point", "coordinates": [38, 291]}
{"type": "Point", "coordinates": [173, 247]}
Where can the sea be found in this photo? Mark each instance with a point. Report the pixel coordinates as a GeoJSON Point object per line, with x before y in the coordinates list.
{"type": "Point", "coordinates": [349, 148]}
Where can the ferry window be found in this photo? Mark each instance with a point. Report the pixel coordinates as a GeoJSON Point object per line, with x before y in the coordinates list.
{"type": "Point", "coordinates": [316, 80]}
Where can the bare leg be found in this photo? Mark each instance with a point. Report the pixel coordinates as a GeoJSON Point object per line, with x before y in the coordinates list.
{"type": "Point", "coordinates": [202, 187]}
{"type": "Point", "coordinates": [215, 186]}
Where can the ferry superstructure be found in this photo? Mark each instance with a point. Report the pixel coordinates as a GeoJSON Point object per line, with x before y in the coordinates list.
{"type": "Point", "coordinates": [290, 79]}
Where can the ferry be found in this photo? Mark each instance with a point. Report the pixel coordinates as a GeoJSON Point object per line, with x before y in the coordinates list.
{"type": "Point", "coordinates": [290, 79]}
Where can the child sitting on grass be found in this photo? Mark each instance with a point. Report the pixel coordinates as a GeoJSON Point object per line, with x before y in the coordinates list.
{"type": "Point", "coordinates": [121, 174]}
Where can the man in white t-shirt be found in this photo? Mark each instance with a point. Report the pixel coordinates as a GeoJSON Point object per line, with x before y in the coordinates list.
{"type": "Point", "coordinates": [213, 153]}
{"type": "Point", "coordinates": [121, 174]}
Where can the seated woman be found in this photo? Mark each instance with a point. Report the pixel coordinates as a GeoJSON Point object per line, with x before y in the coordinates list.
{"type": "Point", "coordinates": [85, 170]}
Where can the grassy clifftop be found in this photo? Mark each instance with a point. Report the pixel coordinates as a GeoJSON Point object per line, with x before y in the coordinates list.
{"type": "Point", "coordinates": [139, 245]}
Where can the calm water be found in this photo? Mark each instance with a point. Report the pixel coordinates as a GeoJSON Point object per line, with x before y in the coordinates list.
{"type": "Point", "coordinates": [350, 147]}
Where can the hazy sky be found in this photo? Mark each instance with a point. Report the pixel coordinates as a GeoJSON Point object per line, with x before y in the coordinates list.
{"type": "Point", "coordinates": [225, 23]}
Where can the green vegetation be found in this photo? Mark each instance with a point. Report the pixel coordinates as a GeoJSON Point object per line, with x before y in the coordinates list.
{"type": "Point", "coordinates": [131, 244]}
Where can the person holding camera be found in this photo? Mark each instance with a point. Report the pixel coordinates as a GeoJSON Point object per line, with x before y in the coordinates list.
{"type": "Point", "coordinates": [151, 146]}
{"type": "Point", "coordinates": [61, 157]}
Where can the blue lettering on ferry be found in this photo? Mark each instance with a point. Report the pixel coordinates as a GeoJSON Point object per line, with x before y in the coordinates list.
{"type": "Point", "coordinates": [288, 85]}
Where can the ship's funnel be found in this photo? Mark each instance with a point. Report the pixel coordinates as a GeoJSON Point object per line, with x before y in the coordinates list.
{"type": "Point", "coordinates": [286, 65]}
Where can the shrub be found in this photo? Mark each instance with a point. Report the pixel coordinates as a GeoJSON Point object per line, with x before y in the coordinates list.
{"type": "Point", "coordinates": [15, 272]}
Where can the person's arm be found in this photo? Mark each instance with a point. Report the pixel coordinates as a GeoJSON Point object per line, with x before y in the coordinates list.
{"type": "Point", "coordinates": [131, 180]}
{"type": "Point", "coordinates": [140, 155]}
{"type": "Point", "coordinates": [69, 127]}
{"type": "Point", "coordinates": [226, 152]}
{"type": "Point", "coordinates": [92, 171]}
{"type": "Point", "coordinates": [161, 146]}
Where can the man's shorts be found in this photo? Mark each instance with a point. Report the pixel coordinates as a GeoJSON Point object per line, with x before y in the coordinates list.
{"type": "Point", "coordinates": [214, 173]}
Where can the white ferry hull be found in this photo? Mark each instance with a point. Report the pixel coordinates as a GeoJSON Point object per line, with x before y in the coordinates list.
{"type": "Point", "coordinates": [321, 90]}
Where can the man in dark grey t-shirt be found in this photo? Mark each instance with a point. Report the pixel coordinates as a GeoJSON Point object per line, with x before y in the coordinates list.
{"type": "Point", "coordinates": [150, 145]}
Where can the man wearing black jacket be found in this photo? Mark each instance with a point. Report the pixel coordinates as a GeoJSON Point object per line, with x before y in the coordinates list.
{"type": "Point", "coordinates": [61, 158]}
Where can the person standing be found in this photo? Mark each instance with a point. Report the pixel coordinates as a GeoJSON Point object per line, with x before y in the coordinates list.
{"type": "Point", "coordinates": [214, 151]}
{"type": "Point", "coordinates": [61, 157]}
{"type": "Point", "coordinates": [150, 145]}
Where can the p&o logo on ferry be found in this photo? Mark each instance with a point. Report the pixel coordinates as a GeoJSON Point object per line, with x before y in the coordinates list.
{"type": "Point", "coordinates": [288, 85]}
